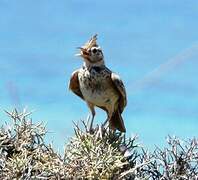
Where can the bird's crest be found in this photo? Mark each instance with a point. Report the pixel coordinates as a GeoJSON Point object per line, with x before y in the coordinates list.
{"type": "Point", "coordinates": [91, 43]}
{"type": "Point", "coordinates": [87, 46]}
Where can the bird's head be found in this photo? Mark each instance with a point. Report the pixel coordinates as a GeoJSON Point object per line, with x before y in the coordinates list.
{"type": "Point", "coordinates": [91, 53]}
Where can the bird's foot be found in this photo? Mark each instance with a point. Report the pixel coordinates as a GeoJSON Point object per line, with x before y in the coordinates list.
{"type": "Point", "coordinates": [91, 130]}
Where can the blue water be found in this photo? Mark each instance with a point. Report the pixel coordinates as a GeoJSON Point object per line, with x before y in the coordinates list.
{"type": "Point", "coordinates": [38, 40]}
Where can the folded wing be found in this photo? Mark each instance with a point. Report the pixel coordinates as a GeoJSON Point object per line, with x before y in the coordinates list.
{"type": "Point", "coordinates": [74, 84]}
{"type": "Point", "coordinates": [121, 89]}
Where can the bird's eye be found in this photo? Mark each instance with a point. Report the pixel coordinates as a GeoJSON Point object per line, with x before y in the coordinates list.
{"type": "Point", "coordinates": [94, 51]}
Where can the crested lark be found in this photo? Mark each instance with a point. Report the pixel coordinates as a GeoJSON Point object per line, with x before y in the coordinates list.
{"type": "Point", "coordinates": [98, 86]}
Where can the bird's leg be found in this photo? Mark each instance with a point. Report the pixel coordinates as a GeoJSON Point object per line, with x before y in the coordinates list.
{"type": "Point", "coordinates": [107, 128]}
{"type": "Point", "coordinates": [91, 107]}
{"type": "Point", "coordinates": [109, 119]}
{"type": "Point", "coordinates": [92, 119]}
{"type": "Point", "coordinates": [102, 129]}
{"type": "Point", "coordinates": [109, 115]}
{"type": "Point", "coordinates": [106, 121]}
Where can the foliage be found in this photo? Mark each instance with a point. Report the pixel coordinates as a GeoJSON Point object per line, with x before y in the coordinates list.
{"type": "Point", "coordinates": [90, 154]}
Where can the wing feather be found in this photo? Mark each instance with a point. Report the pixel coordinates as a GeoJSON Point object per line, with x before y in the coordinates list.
{"type": "Point", "coordinates": [121, 89]}
{"type": "Point", "coordinates": [74, 84]}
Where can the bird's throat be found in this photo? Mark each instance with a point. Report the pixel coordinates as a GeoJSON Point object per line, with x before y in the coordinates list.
{"type": "Point", "coordinates": [89, 64]}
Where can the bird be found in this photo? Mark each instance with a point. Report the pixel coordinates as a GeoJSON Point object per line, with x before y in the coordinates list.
{"type": "Point", "coordinates": [98, 86]}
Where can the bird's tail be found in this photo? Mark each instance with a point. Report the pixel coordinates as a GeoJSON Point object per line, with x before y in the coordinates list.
{"type": "Point", "coordinates": [116, 122]}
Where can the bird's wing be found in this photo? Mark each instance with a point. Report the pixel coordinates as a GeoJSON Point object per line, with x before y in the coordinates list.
{"type": "Point", "coordinates": [74, 84]}
{"type": "Point", "coordinates": [121, 89]}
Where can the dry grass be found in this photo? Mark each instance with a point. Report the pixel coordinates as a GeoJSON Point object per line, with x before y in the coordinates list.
{"type": "Point", "coordinates": [96, 154]}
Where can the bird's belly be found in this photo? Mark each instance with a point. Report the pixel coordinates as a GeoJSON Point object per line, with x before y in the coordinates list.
{"type": "Point", "coordinates": [99, 94]}
{"type": "Point", "coordinates": [100, 99]}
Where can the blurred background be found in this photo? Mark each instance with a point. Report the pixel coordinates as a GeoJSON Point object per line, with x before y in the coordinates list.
{"type": "Point", "coordinates": [152, 45]}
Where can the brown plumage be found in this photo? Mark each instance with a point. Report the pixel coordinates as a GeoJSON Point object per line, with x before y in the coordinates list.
{"type": "Point", "coordinates": [98, 86]}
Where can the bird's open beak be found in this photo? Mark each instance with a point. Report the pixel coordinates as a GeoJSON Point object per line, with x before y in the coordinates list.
{"type": "Point", "coordinates": [83, 52]}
